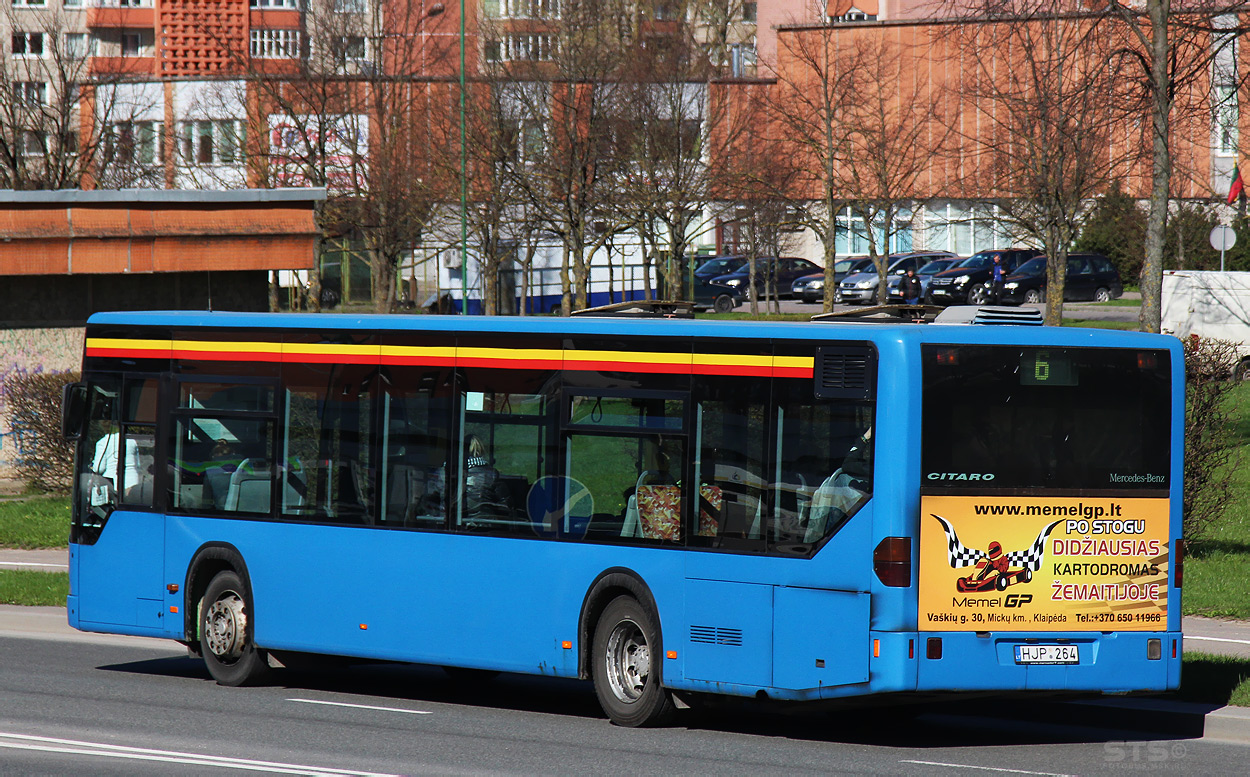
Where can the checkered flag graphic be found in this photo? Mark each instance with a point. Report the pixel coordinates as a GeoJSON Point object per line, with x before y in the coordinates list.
{"type": "Point", "coordinates": [1032, 556]}
{"type": "Point", "coordinates": [956, 553]}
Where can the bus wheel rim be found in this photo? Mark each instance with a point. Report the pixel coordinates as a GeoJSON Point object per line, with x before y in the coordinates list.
{"type": "Point", "coordinates": [226, 626]}
{"type": "Point", "coordinates": [629, 661]}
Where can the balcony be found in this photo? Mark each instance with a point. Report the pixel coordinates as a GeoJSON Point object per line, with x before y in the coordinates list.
{"type": "Point", "coordinates": [123, 66]}
{"type": "Point", "coordinates": [120, 13]}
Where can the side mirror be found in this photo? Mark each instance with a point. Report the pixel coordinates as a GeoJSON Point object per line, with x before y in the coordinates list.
{"type": "Point", "coordinates": [73, 410]}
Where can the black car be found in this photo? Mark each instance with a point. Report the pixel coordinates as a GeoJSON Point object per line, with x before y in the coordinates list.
{"type": "Point", "coordinates": [811, 288]}
{"type": "Point", "coordinates": [966, 282]}
{"type": "Point", "coordinates": [784, 270]}
{"type": "Point", "coordinates": [1089, 276]}
{"type": "Point", "coordinates": [715, 296]}
{"type": "Point", "coordinates": [718, 265]}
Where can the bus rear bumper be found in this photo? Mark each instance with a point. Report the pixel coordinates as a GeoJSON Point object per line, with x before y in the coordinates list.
{"type": "Point", "coordinates": [1116, 662]}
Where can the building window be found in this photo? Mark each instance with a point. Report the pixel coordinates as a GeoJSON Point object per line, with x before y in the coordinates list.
{"type": "Point", "coordinates": [351, 48]}
{"type": "Point", "coordinates": [1225, 115]}
{"type": "Point", "coordinates": [749, 11]}
{"type": "Point", "coordinates": [30, 93]}
{"type": "Point", "coordinates": [132, 44]}
{"type": "Point", "coordinates": [217, 142]}
{"type": "Point", "coordinates": [275, 44]}
{"type": "Point", "coordinates": [532, 47]}
{"type": "Point", "coordinates": [28, 3]}
{"type": "Point", "coordinates": [349, 6]}
{"type": "Point", "coordinates": [28, 44]}
{"type": "Point", "coordinates": [522, 142]}
{"type": "Point", "coordinates": [80, 45]}
{"type": "Point", "coordinates": [34, 143]}
{"type": "Point", "coordinates": [137, 142]}
{"type": "Point", "coordinates": [290, 4]}
{"type": "Point", "coordinates": [72, 3]}
{"type": "Point", "coordinates": [522, 9]}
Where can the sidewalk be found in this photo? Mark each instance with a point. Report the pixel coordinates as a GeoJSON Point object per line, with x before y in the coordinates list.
{"type": "Point", "coordinates": [40, 560]}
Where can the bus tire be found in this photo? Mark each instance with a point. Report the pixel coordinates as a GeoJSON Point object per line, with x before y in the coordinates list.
{"type": "Point", "coordinates": [723, 304]}
{"type": "Point", "coordinates": [626, 663]}
{"type": "Point", "coordinates": [226, 631]}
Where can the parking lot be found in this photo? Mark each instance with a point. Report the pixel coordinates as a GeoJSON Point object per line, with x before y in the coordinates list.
{"type": "Point", "coordinates": [1082, 310]}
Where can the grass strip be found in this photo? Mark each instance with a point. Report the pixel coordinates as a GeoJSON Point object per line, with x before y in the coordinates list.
{"type": "Point", "coordinates": [35, 522]}
{"type": "Point", "coordinates": [1213, 679]}
{"type": "Point", "coordinates": [33, 589]}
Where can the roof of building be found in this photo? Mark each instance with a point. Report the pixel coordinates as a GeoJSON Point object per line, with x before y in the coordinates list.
{"type": "Point", "coordinates": [119, 196]}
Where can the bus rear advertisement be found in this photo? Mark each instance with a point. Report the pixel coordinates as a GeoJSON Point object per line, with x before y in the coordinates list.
{"type": "Point", "coordinates": [803, 512]}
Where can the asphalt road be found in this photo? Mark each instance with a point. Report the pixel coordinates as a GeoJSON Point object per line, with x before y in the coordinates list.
{"type": "Point", "coordinates": [89, 705]}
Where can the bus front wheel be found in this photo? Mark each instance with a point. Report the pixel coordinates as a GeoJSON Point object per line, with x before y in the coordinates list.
{"type": "Point", "coordinates": [226, 633]}
{"type": "Point", "coordinates": [627, 666]}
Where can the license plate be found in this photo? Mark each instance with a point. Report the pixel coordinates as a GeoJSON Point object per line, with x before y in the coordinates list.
{"type": "Point", "coordinates": [1046, 654]}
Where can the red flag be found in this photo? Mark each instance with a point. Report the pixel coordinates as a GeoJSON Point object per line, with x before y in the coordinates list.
{"type": "Point", "coordinates": [1237, 186]}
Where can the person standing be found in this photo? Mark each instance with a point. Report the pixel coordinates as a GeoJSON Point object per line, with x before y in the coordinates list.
{"type": "Point", "coordinates": [996, 281]}
{"type": "Point", "coordinates": [910, 286]}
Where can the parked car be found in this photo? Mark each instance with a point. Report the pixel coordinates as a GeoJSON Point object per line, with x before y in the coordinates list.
{"type": "Point", "coordinates": [784, 270]}
{"type": "Point", "coordinates": [811, 288]}
{"type": "Point", "coordinates": [926, 273]}
{"type": "Point", "coordinates": [718, 265]}
{"type": "Point", "coordinates": [965, 283]}
{"type": "Point", "coordinates": [861, 287]}
{"type": "Point", "coordinates": [1089, 276]}
{"type": "Point", "coordinates": [715, 296]}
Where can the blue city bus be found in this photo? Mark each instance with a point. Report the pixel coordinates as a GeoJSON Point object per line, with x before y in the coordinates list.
{"type": "Point", "coordinates": [805, 512]}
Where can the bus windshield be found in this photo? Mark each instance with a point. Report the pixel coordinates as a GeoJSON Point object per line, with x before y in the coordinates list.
{"type": "Point", "coordinates": [1067, 418]}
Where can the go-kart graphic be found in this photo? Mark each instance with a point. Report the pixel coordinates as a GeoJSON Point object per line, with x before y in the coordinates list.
{"type": "Point", "coordinates": [995, 570]}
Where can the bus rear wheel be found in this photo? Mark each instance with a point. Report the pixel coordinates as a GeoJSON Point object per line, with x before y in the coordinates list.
{"type": "Point", "coordinates": [627, 661]}
{"type": "Point", "coordinates": [226, 633]}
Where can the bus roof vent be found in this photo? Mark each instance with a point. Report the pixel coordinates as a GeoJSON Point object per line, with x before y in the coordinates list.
{"type": "Point", "coordinates": [642, 309]}
{"type": "Point", "coordinates": [971, 314]}
{"type": "Point", "coordinates": [845, 373]}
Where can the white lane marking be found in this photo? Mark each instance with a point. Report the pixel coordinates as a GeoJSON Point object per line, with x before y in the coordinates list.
{"type": "Point", "coordinates": [32, 564]}
{"type": "Point", "coordinates": [360, 706]}
{"type": "Point", "coordinates": [984, 768]}
{"type": "Point", "coordinates": [100, 749]}
{"type": "Point", "coordinates": [1219, 639]}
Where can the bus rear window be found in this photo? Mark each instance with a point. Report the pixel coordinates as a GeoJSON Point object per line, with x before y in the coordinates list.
{"type": "Point", "coordinates": [1010, 417]}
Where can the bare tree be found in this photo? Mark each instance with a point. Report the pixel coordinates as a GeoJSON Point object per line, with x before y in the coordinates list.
{"type": "Point", "coordinates": [673, 122]}
{"type": "Point", "coordinates": [63, 126]}
{"type": "Point", "coordinates": [893, 127]}
{"type": "Point", "coordinates": [566, 80]}
{"type": "Point", "coordinates": [1045, 94]}
{"type": "Point", "coordinates": [804, 122]}
{"type": "Point", "coordinates": [347, 112]}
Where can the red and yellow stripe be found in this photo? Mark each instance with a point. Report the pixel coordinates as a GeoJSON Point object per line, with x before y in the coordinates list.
{"type": "Point", "coordinates": [658, 362]}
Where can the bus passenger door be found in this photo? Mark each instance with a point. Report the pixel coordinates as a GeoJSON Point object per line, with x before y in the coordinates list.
{"type": "Point", "coordinates": [117, 549]}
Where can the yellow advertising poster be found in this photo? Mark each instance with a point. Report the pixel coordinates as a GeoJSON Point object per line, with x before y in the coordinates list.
{"type": "Point", "coordinates": [1001, 563]}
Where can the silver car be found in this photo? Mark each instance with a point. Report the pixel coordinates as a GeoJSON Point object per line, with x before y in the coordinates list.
{"type": "Point", "coordinates": [861, 288]}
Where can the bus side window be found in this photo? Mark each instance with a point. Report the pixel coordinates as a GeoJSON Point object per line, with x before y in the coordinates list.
{"type": "Point", "coordinates": [138, 441]}
{"type": "Point", "coordinates": [326, 455]}
{"type": "Point", "coordinates": [731, 462]}
{"type": "Point", "coordinates": [500, 453]}
{"type": "Point", "coordinates": [415, 447]}
{"type": "Point", "coordinates": [220, 452]}
{"type": "Point", "coordinates": [825, 455]}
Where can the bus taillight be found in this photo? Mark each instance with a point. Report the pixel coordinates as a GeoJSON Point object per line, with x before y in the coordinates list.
{"type": "Point", "coordinates": [891, 560]}
{"type": "Point", "coordinates": [1179, 576]}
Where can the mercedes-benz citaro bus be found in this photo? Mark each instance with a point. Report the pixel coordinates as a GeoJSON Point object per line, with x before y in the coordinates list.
{"type": "Point", "coordinates": [788, 511]}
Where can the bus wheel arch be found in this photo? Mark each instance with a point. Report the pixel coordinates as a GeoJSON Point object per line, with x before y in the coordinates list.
{"type": "Point", "coordinates": [622, 651]}
{"type": "Point", "coordinates": [218, 581]}
{"type": "Point", "coordinates": [610, 584]}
